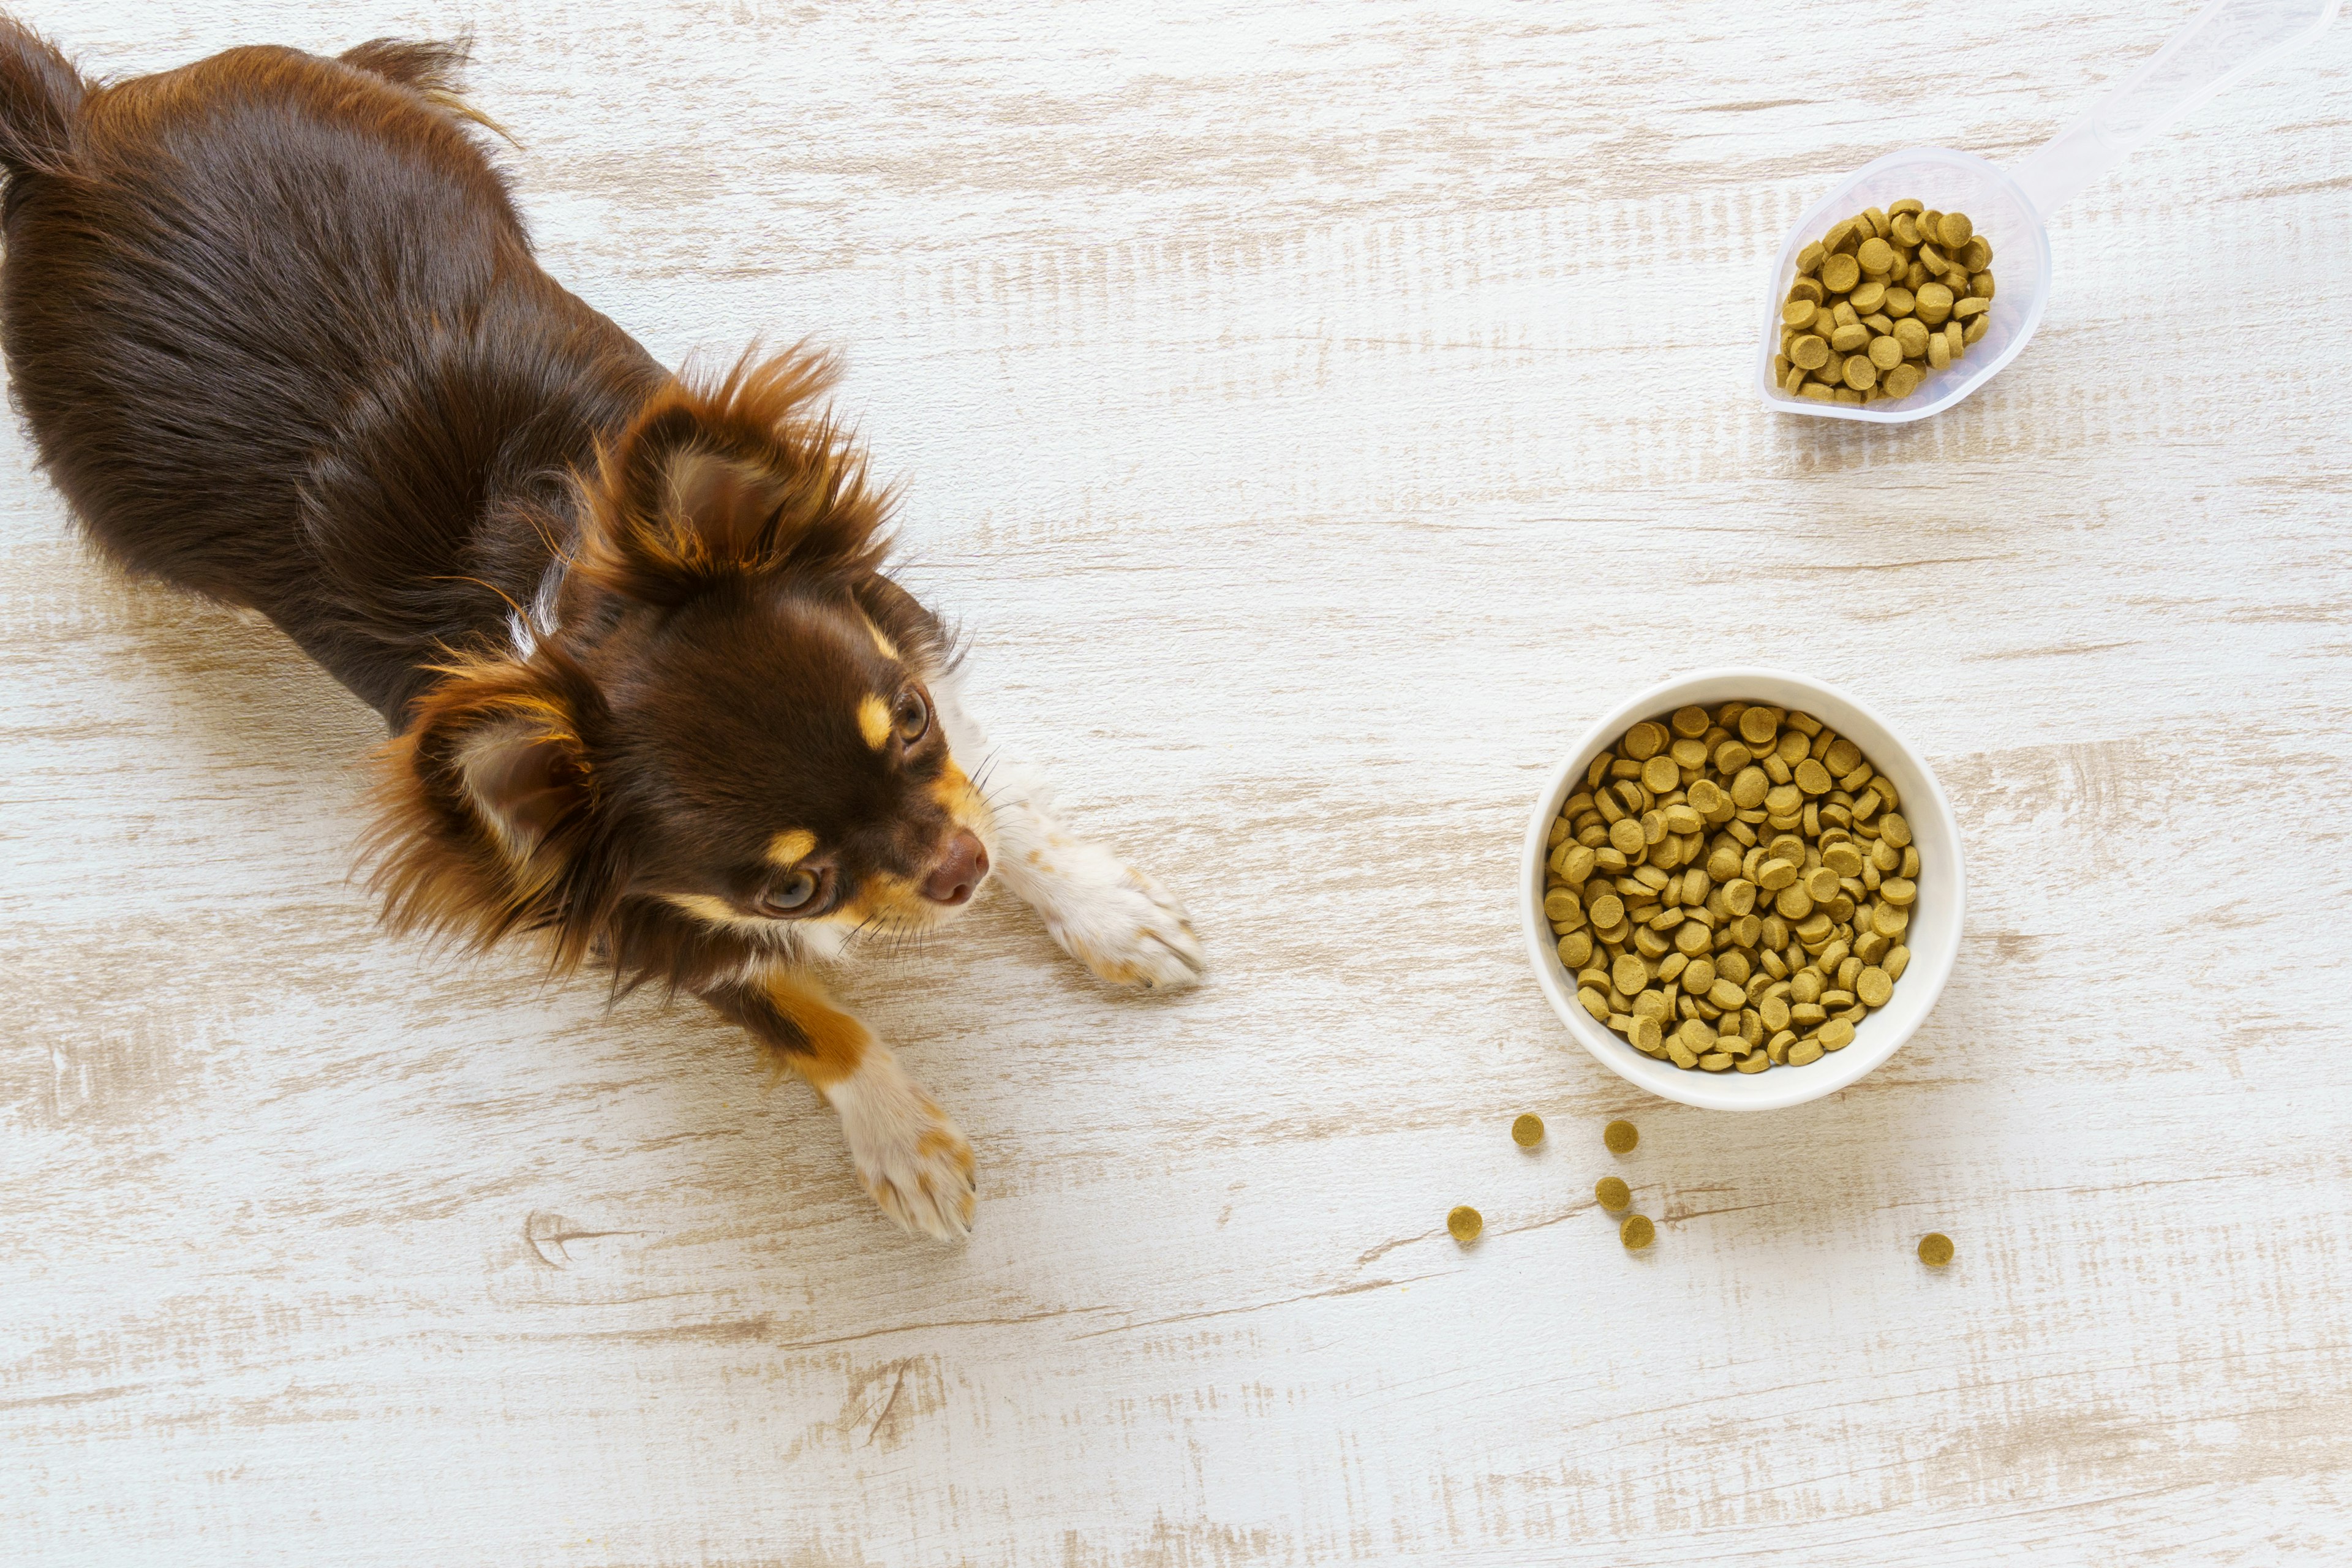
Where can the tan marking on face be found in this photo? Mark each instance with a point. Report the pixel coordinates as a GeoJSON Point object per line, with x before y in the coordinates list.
{"type": "Point", "coordinates": [703, 907]}
{"type": "Point", "coordinates": [789, 849]}
{"type": "Point", "coordinates": [836, 1042]}
{"type": "Point", "coordinates": [874, 721]}
{"type": "Point", "coordinates": [889, 650]}
{"type": "Point", "coordinates": [956, 796]}
{"type": "Point", "coordinates": [879, 895]}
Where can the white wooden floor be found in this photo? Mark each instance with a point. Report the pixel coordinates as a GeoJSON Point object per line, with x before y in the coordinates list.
{"type": "Point", "coordinates": [1318, 414]}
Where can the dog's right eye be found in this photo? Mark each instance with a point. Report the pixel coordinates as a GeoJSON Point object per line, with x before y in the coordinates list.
{"type": "Point", "coordinates": [791, 894]}
{"type": "Point", "coordinates": [911, 718]}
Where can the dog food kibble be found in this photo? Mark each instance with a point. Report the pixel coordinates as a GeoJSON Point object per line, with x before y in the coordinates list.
{"type": "Point", "coordinates": [1934, 1249]}
{"type": "Point", "coordinates": [1613, 1193]}
{"type": "Point", "coordinates": [1620, 1136]}
{"type": "Point", "coordinates": [1463, 1224]}
{"type": "Point", "coordinates": [1884, 300]}
{"type": "Point", "coordinates": [1757, 914]}
{"type": "Point", "coordinates": [1637, 1232]}
{"type": "Point", "coordinates": [1527, 1130]}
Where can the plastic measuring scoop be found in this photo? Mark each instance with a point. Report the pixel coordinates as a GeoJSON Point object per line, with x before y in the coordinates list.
{"type": "Point", "coordinates": [2225, 41]}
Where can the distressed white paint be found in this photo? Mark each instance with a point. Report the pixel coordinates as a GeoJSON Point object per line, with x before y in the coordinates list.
{"type": "Point", "coordinates": [1318, 413]}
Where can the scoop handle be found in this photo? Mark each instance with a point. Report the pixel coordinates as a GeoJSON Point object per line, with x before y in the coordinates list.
{"type": "Point", "coordinates": [2226, 40]}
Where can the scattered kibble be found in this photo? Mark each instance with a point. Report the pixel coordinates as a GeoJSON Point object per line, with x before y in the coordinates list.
{"type": "Point", "coordinates": [1731, 889]}
{"type": "Point", "coordinates": [1613, 1193]}
{"type": "Point", "coordinates": [1881, 302]}
{"type": "Point", "coordinates": [1637, 1232]}
{"type": "Point", "coordinates": [1620, 1137]}
{"type": "Point", "coordinates": [1527, 1130]}
{"type": "Point", "coordinates": [1464, 1224]}
{"type": "Point", "coordinates": [1934, 1249]}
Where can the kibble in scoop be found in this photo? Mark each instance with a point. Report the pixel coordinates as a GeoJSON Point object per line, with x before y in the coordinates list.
{"type": "Point", "coordinates": [1882, 302]}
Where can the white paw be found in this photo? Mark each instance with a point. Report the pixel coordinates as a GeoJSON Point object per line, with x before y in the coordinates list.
{"type": "Point", "coordinates": [1128, 929]}
{"type": "Point", "coordinates": [907, 1152]}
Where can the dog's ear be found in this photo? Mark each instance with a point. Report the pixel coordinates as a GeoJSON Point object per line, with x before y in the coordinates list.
{"type": "Point", "coordinates": [489, 816]}
{"type": "Point", "coordinates": [523, 773]}
{"type": "Point", "coordinates": [745, 477]}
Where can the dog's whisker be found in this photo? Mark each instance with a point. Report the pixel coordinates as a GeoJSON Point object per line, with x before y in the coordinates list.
{"type": "Point", "coordinates": [987, 766]}
{"type": "Point", "coordinates": [863, 928]}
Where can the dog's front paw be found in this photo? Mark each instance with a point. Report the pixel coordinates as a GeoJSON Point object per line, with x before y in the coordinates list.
{"type": "Point", "coordinates": [908, 1152]}
{"type": "Point", "coordinates": [1129, 929]}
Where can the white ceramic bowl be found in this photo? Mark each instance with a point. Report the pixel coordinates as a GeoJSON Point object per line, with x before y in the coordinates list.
{"type": "Point", "coordinates": [1933, 937]}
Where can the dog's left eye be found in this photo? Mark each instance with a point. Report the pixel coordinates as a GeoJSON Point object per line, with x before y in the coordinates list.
{"type": "Point", "coordinates": [911, 718]}
{"type": "Point", "coordinates": [791, 894]}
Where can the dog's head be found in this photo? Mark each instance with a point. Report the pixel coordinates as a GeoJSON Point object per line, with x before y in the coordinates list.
{"type": "Point", "coordinates": [726, 719]}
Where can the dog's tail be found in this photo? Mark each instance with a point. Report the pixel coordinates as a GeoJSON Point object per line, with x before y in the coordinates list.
{"type": "Point", "coordinates": [434, 69]}
{"type": "Point", "coordinates": [41, 94]}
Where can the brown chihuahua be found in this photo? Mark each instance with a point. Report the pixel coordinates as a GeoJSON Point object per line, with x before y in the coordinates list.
{"type": "Point", "coordinates": [281, 341]}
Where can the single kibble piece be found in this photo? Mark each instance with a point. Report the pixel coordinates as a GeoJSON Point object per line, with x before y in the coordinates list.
{"type": "Point", "coordinates": [1620, 1137]}
{"type": "Point", "coordinates": [1742, 906]}
{"type": "Point", "coordinates": [1637, 1232]}
{"type": "Point", "coordinates": [1612, 1193]}
{"type": "Point", "coordinates": [1527, 1130]}
{"type": "Point", "coordinates": [1463, 1224]}
{"type": "Point", "coordinates": [1934, 1249]}
{"type": "Point", "coordinates": [1880, 304]}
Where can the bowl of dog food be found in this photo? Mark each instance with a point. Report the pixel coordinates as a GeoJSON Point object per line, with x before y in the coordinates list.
{"type": "Point", "coordinates": [1742, 890]}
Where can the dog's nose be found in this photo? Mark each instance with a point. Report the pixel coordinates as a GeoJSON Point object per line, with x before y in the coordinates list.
{"type": "Point", "coordinates": [959, 869]}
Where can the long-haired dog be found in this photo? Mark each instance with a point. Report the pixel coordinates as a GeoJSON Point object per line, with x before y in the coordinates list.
{"type": "Point", "coordinates": [280, 340]}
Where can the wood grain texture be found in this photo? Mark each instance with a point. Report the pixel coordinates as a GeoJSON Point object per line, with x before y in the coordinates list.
{"type": "Point", "coordinates": [1318, 414]}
